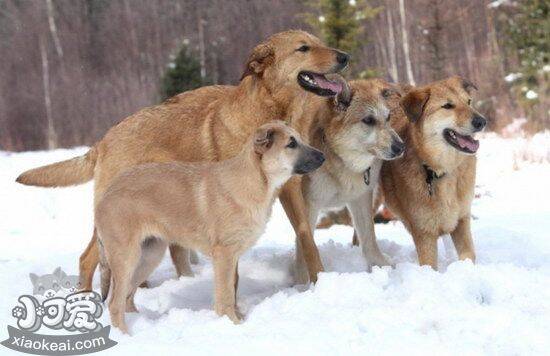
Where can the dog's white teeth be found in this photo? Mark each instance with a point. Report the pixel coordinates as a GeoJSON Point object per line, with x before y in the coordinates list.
{"type": "Point", "coordinates": [453, 134]}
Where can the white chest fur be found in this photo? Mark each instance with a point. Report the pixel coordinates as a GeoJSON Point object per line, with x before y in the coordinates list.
{"type": "Point", "coordinates": [332, 187]}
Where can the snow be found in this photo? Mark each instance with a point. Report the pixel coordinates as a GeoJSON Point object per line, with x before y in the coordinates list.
{"type": "Point", "coordinates": [531, 95]}
{"type": "Point", "coordinates": [501, 305]}
{"type": "Point", "coordinates": [512, 77]}
{"type": "Point", "coordinates": [497, 3]}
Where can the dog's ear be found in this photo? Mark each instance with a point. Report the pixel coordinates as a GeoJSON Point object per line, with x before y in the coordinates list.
{"type": "Point", "coordinates": [263, 139]}
{"type": "Point", "coordinates": [414, 103]}
{"type": "Point", "coordinates": [467, 85]}
{"type": "Point", "coordinates": [261, 57]}
{"type": "Point", "coordinates": [343, 98]}
{"type": "Point", "coordinates": [405, 88]}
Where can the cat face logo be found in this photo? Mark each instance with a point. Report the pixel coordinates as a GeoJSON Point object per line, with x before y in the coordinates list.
{"type": "Point", "coordinates": [57, 284]}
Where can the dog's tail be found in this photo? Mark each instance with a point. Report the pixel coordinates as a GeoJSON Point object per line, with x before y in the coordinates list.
{"type": "Point", "coordinates": [74, 171]}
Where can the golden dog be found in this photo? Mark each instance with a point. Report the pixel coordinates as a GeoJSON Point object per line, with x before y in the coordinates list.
{"type": "Point", "coordinates": [283, 79]}
{"type": "Point", "coordinates": [431, 188]}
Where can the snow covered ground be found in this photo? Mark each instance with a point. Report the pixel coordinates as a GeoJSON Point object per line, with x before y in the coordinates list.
{"type": "Point", "coordinates": [500, 306]}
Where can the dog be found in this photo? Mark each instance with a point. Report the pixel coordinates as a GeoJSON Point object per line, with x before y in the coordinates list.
{"type": "Point", "coordinates": [284, 77]}
{"type": "Point", "coordinates": [355, 137]}
{"type": "Point", "coordinates": [217, 208]}
{"type": "Point", "coordinates": [431, 188]}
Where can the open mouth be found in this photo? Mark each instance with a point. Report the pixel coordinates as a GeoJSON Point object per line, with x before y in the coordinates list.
{"type": "Point", "coordinates": [463, 143]}
{"type": "Point", "coordinates": [318, 84]}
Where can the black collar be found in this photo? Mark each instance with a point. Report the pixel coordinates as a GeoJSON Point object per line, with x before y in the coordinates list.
{"type": "Point", "coordinates": [431, 176]}
{"type": "Point", "coordinates": [366, 176]}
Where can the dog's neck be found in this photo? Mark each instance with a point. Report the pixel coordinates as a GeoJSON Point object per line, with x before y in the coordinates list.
{"type": "Point", "coordinates": [252, 181]}
{"type": "Point", "coordinates": [253, 96]}
{"type": "Point", "coordinates": [335, 164]}
{"type": "Point", "coordinates": [416, 148]}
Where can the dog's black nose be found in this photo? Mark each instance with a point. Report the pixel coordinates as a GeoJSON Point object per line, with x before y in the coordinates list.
{"type": "Point", "coordinates": [478, 122]}
{"type": "Point", "coordinates": [342, 58]}
{"type": "Point", "coordinates": [397, 147]}
{"type": "Point", "coordinates": [319, 157]}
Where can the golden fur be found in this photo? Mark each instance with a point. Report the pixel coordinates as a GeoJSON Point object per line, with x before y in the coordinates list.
{"type": "Point", "coordinates": [217, 208]}
{"type": "Point", "coordinates": [403, 181]}
{"type": "Point", "coordinates": [207, 124]}
{"type": "Point", "coordinates": [355, 136]}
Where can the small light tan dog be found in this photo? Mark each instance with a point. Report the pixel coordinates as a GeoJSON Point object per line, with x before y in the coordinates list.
{"type": "Point", "coordinates": [219, 209]}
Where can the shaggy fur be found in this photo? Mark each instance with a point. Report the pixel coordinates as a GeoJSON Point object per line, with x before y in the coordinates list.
{"type": "Point", "coordinates": [208, 124]}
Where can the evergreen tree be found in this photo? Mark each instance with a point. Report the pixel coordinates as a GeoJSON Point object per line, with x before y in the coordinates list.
{"type": "Point", "coordinates": [527, 29]}
{"type": "Point", "coordinates": [340, 23]}
{"type": "Point", "coordinates": [183, 73]}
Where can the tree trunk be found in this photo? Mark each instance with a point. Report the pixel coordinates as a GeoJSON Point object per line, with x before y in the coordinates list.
{"type": "Point", "coordinates": [50, 130]}
{"type": "Point", "coordinates": [394, 73]}
{"type": "Point", "coordinates": [405, 35]}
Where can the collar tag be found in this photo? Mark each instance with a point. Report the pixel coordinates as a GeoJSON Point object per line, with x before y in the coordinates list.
{"type": "Point", "coordinates": [431, 176]}
{"type": "Point", "coordinates": [366, 176]}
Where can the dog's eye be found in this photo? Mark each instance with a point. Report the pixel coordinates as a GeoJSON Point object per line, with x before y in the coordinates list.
{"type": "Point", "coordinates": [369, 120]}
{"type": "Point", "coordinates": [304, 48]}
{"type": "Point", "coordinates": [448, 106]}
{"type": "Point", "coordinates": [386, 93]}
{"type": "Point", "coordinates": [292, 143]}
{"type": "Point", "coordinates": [469, 101]}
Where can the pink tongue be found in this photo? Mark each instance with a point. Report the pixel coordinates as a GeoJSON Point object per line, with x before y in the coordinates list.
{"type": "Point", "coordinates": [325, 84]}
{"type": "Point", "coordinates": [467, 142]}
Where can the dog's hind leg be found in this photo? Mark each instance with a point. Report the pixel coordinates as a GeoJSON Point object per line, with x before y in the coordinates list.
{"type": "Point", "coordinates": [462, 239]}
{"type": "Point", "coordinates": [152, 251]}
{"type": "Point", "coordinates": [123, 265]}
{"type": "Point", "coordinates": [88, 263]}
{"type": "Point", "coordinates": [181, 257]}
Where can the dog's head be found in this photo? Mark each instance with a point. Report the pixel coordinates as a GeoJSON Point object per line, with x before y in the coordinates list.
{"type": "Point", "coordinates": [443, 118]}
{"type": "Point", "coordinates": [283, 153]}
{"type": "Point", "coordinates": [361, 129]}
{"type": "Point", "coordinates": [296, 61]}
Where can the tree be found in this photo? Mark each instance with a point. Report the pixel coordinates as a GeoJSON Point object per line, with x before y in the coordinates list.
{"type": "Point", "coordinates": [527, 28]}
{"type": "Point", "coordinates": [340, 22]}
{"type": "Point", "coordinates": [184, 73]}
{"type": "Point", "coordinates": [433, 32]}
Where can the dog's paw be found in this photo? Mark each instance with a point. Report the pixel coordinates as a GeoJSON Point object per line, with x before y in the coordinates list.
{"type": "Point", "coordinates": [378, 260]}
{"type": "Point", "coordinates": [231, 312]}
{"type": "Point", "coordinates": [300, 274]}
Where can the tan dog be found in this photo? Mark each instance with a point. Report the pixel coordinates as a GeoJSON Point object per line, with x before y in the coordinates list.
{"type": "Point", "coordinates": [355, 137]}
{"type": "Point", "coordinates": [431, 188]}
{"type": "Point", "coordinates": [219, 209]}
{"type": "Point", "coordinates": [283, 79]}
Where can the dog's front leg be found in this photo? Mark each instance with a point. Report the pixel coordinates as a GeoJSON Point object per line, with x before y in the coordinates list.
{"type": "Point", "coordinates": [462, 239]}
{"type": "Point", "coordinates": [362, 216]}
{"type": "Point", "coordinates": [426, 248]}
{"type": "Point", "coordinates": [293, 202]}
{"type": "Point", "coordinates": [225, 270]}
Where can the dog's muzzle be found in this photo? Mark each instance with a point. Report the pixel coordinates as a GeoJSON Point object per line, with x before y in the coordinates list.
{"type": "Point", "coordinates": [310, 160]}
